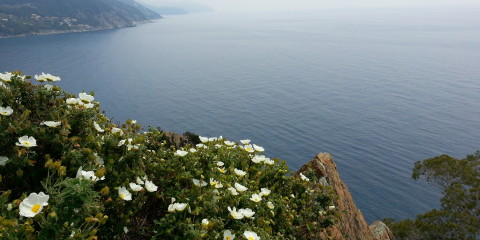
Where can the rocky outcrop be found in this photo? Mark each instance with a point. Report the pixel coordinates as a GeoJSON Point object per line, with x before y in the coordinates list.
{"type": "Point", "coordinates": [351, 224]}
{"type": "Point", "coordinates": [381, 231]}
{"type": "Point", "coordinates": [179, 141]}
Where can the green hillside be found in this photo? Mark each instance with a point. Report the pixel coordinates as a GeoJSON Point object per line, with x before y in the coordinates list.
{"type": "Point", "coordinates": [31, 17]}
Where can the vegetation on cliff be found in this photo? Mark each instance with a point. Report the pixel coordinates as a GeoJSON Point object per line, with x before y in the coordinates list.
{"type": "Point", "coordinates": [27, 17]}
{"type": "Point", "coordinates": [459, 215]}
{"type": "Point", "coordinates": [68, 172]}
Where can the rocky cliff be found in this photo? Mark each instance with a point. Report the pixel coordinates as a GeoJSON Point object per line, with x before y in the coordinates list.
{"type": "Point", "coordinates": [351, 224]}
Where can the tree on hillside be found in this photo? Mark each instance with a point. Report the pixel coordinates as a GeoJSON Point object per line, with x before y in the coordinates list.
{"type": "Point", "coordinates": [459, 215]}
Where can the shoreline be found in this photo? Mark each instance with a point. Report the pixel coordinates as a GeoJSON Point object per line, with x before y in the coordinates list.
{"type": "Point", "coordinates": [93, 29]}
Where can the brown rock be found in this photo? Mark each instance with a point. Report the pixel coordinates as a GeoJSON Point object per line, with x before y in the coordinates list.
{"type": "Point", "coordinates": [381, 231]}
{"type": "Point", "coordinates": [351, 224]}
{"type": "Point", "coordinates": [179, 141]}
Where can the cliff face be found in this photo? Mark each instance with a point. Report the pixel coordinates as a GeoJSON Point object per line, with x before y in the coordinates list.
{"type": "Point", "coordinates": [351, 224]}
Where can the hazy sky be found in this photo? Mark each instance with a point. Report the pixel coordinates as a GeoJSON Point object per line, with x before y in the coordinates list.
{"type": "Point", "coordinates": [272, 5]}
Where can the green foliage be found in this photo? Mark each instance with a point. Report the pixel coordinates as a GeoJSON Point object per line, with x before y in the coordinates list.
{"type": "Point", "coordinates": [459, 216]}
{"type": "Point", "coordinates": [108, 181]}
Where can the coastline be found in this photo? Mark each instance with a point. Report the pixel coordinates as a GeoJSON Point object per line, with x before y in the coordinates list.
{"type": "Point", "coordinates": [90, 29]}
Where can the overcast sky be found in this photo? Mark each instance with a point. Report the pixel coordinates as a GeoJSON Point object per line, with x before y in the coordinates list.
{"type": "Point", "coordinates": [272, 5]}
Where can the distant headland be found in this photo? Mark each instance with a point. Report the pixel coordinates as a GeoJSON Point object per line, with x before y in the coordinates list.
{"type": "Point", "coordinates": [41, 17]}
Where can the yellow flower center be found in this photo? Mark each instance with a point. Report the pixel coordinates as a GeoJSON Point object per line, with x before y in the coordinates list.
{"type": "Point", "coordinates": [250, 238]}
{"type": "Point", "coordinates": [35, 208]}
{"type": "Point", "coordinates": [122, 195]}
{"type": "Point", "coordinates": [26, 143]}
{"type": "Point", "coordinates": [227, 237]}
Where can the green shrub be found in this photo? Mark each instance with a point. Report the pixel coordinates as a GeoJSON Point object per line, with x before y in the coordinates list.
{"type": "Point", "coordinates": [68, 172]}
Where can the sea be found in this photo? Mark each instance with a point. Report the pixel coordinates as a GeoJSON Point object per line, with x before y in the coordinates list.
{"type": "Point", "coordinates": [379, 89]}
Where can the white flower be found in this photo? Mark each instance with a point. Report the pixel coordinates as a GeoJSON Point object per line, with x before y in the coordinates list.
{"type": "Point", "coordinates": [6, 111]}
{"type": "Point", "coordinates": [304, 178]}
{"type": "Point", "coordinates": [89, 175]}
{"type": "Point", "coordinates": [117, 130]}
{"type": "Point", "coordinates": [240, 187]}
{"type": "Point", "coordinates": [292, 195]}
{"type": "Point", "coordinates": [203, 139]}
{"type": "Point", "coordinates": [215, 183]}
{"type": "Point", "coordinates": [7, 76]}
{"type": "Point", "coordinates": [228, 143]}
{"type": "Point", "coordinates": [256, 197]}
{"type": "Point", "coordinates": [270, 205]}
{"type": "Point", "coordinates": [47, 77]}
{"type": "Point", "coordinates": [9, 207]}
{"type": "Point", "coordinates": [245, 142]}
{"type": "Point", "coordinates": [227, 235]}
{"type": "Point", "coordinates": [332, 207]}
{"type": "Point", "coordinates": [180, 206]}
{"type": "Point", "coordinates": [249, 148]}
{"type": "Point", "coordinates": [33, 204]}
{"type": "Point", "coordinates": [121, 142]}
{"type": "Point", "coordinates": [199, 183]}
{"type": "Point", "coordinates": [124, 194]}
{"type": "Point", "coordinates": [135, 187]}
{"type": "Point", "coordinates": [51, 123]}
{"type": "Point", "coordinates": [193, 150]}
{"type": "Point", "coordinates": [233, 191]}
{"type": "Point", "coordinates": [205, 222]}
{"type": "Point", "coordinates": [234, 213]}
{"type": "Point", "coordinates": [200, 145]}
{"type": "Point", "coordinates": [48, 86]}
{"type": "Point", "coordinates": [265, 192]}
{"type": "Point", "coordinates": [150, 186]}
{"type": "Point", "coordinates": [239, 172]}
{"type": "Point", "coordinates": [125, 230]}
{"type": "Point", "coordinates": [87, 105]}
{"type": "Point", "coordinates": [72, 101]}
{"type": "Point", "coordinates": [180, 153]}
{"type": "Point", "coordinates": [222, 170]}
{"type": "Point", "coordinates": [258, 148]}
{"type": "Point", "coordinates": [268, 161]}
{"type": "Point", "coordinates": [258, 158]}
{"type": "Point", "coordinates": [3, 160]}
{"type": "Point", "coordinates": [97, 127]}
{"type": "Point", "coordinates": [212, 139]}
{"type": "Point", "coordinates": [86, 98]}
{"type": "Point", "coordinates": [26, 141]}
{"type": "Point", "coordinates": [176, 206]}
{"type": "Point", "coordinates": [247, 212]}
{"type": "Point", "coordinates": [219, 163]}
{"type": "Point", "coordinates": [139, 180]}
{"type": "Point", "coordinates": [251, 235]}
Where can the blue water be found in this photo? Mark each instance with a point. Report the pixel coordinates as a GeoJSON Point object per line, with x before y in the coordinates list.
{"type": "Point", "coordinates": [379, 89]}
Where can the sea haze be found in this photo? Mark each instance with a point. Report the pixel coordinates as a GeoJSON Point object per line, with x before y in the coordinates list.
{"type": "Point", "coordinates": [379, 89]}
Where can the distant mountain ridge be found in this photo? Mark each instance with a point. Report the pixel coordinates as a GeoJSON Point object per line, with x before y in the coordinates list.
{"type": "Point", "coordinates": [32, 17]}
{"type": "Point", "coordinates": [178, 7]}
